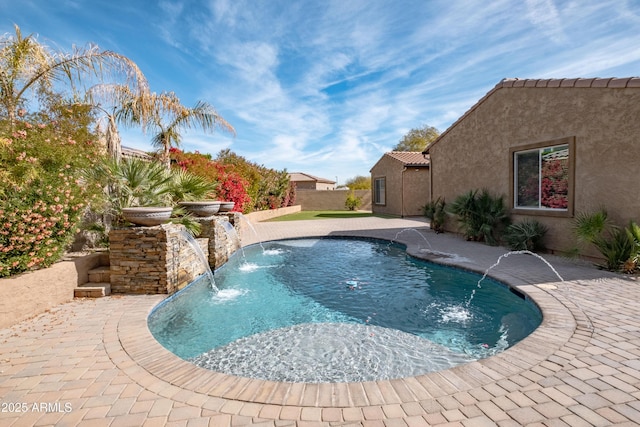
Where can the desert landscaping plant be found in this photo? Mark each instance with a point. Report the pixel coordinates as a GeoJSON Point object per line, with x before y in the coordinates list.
{"type": "Point", "coordinates": [620, 247]}
{"type": "Point", "coordinates": [436, 213]}
{"type": "Point", "coordinates": [42, 193]}
{"type": "Point", "coordinates": [482, 217]}
{"type": "Point", "coordinates": [526, 235]}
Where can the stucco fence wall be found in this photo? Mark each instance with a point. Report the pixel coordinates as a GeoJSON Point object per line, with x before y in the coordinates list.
{"type": "Point", "coordinates": [323, 200]}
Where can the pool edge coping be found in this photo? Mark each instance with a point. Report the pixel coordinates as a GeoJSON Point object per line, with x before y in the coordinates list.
{"type": "Point", "coordinates": [134, 350]}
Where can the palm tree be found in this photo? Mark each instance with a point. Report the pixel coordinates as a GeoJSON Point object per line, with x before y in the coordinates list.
{"type": "Point", "coordinates": [169, 118]}
{"type": "Point", "coordinates": [26, 65]}
{"type": "Point", "coordinates": [117, 104]}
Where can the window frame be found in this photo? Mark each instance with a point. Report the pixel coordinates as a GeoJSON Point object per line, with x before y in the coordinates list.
{"type": "Point", "coordinates": [376, 201]}
{"type": "Point", "coordinates": [513, 151]}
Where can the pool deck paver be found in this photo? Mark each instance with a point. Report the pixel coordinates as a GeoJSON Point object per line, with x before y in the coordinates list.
{"type": "Point", "coordinates": [94, 362]}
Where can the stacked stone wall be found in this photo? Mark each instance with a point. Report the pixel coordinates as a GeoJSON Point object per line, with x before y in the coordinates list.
{"type": "Point", "coordinates": [153, 260]}
{"type": "Point", "coordinates": [222, 232]}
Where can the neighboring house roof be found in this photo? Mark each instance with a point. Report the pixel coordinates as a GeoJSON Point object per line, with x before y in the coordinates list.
{"type": "Point", "coordinates": [406, 158]}
{"type": "Point", "coordinates": [300, 176]}
{"type": "Point", "coordinates": [613, 83]}
{"type": "Point", "coordinates": [409, 158]}
{"type": "Point", "coordinates": [135, 153]}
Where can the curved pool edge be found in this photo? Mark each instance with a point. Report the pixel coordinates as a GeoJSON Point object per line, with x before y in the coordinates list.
{"type": "Point", "coordinates": [154, 367]}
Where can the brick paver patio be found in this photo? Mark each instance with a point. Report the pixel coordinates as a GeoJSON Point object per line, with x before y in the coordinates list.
{"type": "Point", "coordinates": [94, 362]}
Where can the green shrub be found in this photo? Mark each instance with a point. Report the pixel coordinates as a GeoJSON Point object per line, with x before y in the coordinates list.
{"type": "Point", "coordinates": [620, 247]}
{"type": "Point", "coordinates": [136, 182]}
{"type": "Point", "coordinates": [352, 202]}
{"type": "Point", "coordinates": [482, 217]}
{"type": "Point", "coordinates": [42, 193]}
{"type": "Point", "coordinates": [526, 235]}
{"type": "Point", "coordinates": [435, 212]}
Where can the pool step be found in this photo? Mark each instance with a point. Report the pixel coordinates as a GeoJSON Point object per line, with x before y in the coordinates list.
{"type": "Point", "coordinates": [92, 290]}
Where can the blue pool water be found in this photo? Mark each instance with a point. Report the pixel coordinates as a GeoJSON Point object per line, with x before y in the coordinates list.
{"type": "Point", "coordinates": [320, 310]}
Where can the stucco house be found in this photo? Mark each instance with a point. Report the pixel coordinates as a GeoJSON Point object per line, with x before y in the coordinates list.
{"type": "Point", "coordinates": [400, 183]}
{"type": "Point", "coordinates": [304, 181]}
{"type": "Point", "coordinates": [134, 153]}
{"type": "Point", "coordinates": [552, 147]}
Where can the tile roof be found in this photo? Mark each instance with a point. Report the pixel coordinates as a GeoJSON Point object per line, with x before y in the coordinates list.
{"type": "Point", "coordinates": [596, 82]}
{"type": "Point", "coordinates": [300, 176]}
{"type": "Point", "coordinates": [409, 158]}
{"type": "Point", "coordinates": [135, 153]}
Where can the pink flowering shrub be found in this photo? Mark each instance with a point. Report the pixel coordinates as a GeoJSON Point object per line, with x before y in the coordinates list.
{"type": "Point", "coordinates": [43, 195]}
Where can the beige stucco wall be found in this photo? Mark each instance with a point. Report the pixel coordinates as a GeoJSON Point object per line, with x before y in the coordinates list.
{"type": "Point", "coordinates": [330, 200]}
{"type": "Point", "coordinates": [30, 294]}
{"type": "Point", "coordinates": [266, 215]}
{"type": "Point", "coordinates": [474, 153]}
{"type": "Point", "coordinates": [407, 191]}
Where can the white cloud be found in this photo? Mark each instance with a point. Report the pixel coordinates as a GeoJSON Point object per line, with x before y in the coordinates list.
{"type": "Point", "coordinates": [544, 15]}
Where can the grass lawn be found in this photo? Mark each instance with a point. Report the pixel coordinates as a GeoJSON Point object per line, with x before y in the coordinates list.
{"type": "Point", "coordinates": [323, 215]}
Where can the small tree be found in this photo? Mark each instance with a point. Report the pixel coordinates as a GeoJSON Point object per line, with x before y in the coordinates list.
{"type": "Point", "coordinates": [359, 182]}
{"type": "Point", "coordinates": [417, 139]}
{"type": "Point", "coordinates": [353, 202]}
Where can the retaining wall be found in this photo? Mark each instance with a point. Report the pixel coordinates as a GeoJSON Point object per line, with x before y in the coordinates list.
{"type": "Point", "coordinates": [33, 293]}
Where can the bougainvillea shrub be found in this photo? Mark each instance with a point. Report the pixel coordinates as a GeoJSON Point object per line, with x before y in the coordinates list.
{"type": "Point", "coordinates": [251, 186]}
{"type": "Point", "coordinates": [231, 186]}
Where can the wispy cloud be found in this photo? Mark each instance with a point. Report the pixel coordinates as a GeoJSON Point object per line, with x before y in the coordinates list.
{"type": "Point", "coordinates": [327, 87]}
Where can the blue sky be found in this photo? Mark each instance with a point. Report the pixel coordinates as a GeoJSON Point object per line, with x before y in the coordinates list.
{"type": "Point", "coordinates": [326, 87]}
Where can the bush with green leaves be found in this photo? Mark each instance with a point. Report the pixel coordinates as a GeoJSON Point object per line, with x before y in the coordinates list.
{"type": "Point", "coordinates": [136, 182]}
{"type": "Point", "coordinates": [526, 235]}
{"type": "Point", "coordinates": [435, 211]}
{"type": "Point", "coordinates": [620, 247]}
{"type": "Point", "coordinates": [482, 217]}
{"type": "Point", "coordinates": [352, 202]}
{"type": "Point", "coordinates": [42, 193]}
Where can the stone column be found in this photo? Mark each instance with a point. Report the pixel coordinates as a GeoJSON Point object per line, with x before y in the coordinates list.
{"type": "Point", "coordinates": [153, 260]}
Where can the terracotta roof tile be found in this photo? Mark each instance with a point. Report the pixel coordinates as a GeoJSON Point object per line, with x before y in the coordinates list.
{"type": "Point", "coordinates": [583, 82]}
{"type": "Point", "coordinates": [568, 83]}
{"type": "Point", "coordinates": [554, 82]}
{"type": "Point", "coordinates": [634, 82]}
{"type": "Point", "coordinates": [618, 83]}
{"type": "Point", "coordinates": [542, 83]}
{"type": "Point", "coordinates": [600, 82]}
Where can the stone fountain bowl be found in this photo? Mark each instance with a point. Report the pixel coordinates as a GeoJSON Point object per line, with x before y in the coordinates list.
{"type": "Point", "coordinates": [226, 206]}
{"type": "Point", "coordinates": [147, 216]}
{"type": "Point", "coordinates": [202, 208]}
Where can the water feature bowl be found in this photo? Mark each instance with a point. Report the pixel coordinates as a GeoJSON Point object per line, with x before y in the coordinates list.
{"type": "Point", "coordinates": [226, 206]}
{"type": "Point", "coordinates": [147, 216]}
{"type": "Point", "coordinates": [202, 208]}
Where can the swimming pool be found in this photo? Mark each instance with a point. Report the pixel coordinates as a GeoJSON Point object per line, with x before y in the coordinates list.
{"type": "Point", "coordinates": [339, 310]}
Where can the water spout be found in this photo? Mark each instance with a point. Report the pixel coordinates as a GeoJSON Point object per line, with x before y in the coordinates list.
{"type": "Point", "coordinates": [201, 256]}
{"type": "Point", "coordinates": [525, 252]}
{"type": "Point", "coordinates": [501, 257]}
{"type": "Point", "coordinates": [255, 232]}
{"type": "Point", "coordinates": [415, 231]}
